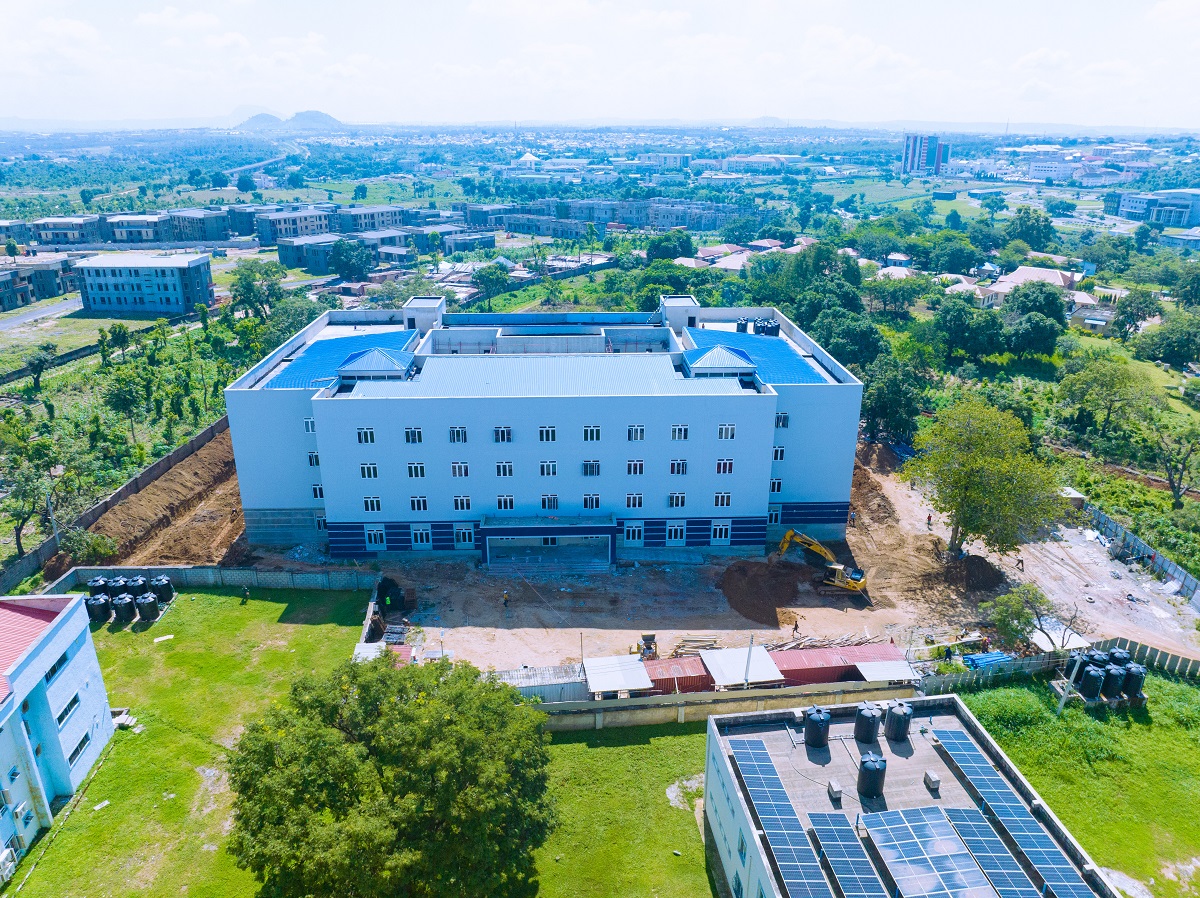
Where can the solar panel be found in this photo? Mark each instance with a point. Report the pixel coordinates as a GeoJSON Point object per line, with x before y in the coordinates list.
{"type": "Point", "coordinates": [1039, 849]}
{"type": "Point", "coordinates": [847, 858]}
{"type": "Point", "coordinates": [925, 856]}
{"type": "Point", "coordinates": [992, 855]}
{"type": "Point", "coordinates": [798, 865]}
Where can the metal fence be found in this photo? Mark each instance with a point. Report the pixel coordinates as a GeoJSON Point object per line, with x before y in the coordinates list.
{"type": "Point", "coordinates": [1143, 551]}
{"type": "Point", "coordinates": [211, 576]}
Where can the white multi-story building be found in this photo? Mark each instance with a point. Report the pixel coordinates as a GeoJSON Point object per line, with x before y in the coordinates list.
{"type": "Point", "coordinates": [142, 282]}
{"type": "Point", "coordinates": [577, 435]}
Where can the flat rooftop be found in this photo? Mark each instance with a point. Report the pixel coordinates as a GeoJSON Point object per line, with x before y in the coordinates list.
{"type": "Point", "coordinates": [141, 260]}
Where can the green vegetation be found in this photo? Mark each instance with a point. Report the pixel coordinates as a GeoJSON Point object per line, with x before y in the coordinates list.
{"type": "Point", "coordinates": [163, 830]}
{"type": "Point", "coordinates": [1126, 784]}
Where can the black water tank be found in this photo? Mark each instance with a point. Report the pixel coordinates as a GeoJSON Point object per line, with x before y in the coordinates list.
{"type": "Point", "coordinates": [898, 720]}
{"type": "Point", "coordinates": [1093, 680]}
{"type": "Point", "coordinates": [116, 586]}
{"type": "Point", "coordinates": [1119, 656]}
{"type": "Point", "coordinates": [743, 325]}
{"type": "Point", "coordinates": [871, 772]}
{"type": "Point", "coordinates": [866, 722]}
{"type": "Point", "coordinates": [147, 606]}
{"type": "Point", "coordinates": [1114, 679]}
{"type": "Point", "coordinates": [816, 727]}
{"type": "Point", "coordinates": [97, 585]}
{"type": "Point", "coordinates": [136, 586]}
{"type": "Point", "coordinates": [162, 588]}
{"type": "Point", "coordinates": [1097, 658]}
{"type": "Point", "coordinates": [1135, 678]}
{"type": "Point", "coordinates": [99, 608]}
{"type": "Point", "coordinates": [124, 608]}
{"type": "Point", "coordinates": [770, 327]}
{"type": "Point", "coordinates": [1076, 664]}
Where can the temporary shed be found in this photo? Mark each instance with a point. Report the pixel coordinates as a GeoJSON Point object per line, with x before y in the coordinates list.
{"type": "Point", "coordinates": [728, 667]}
{"type": "Point", "coordinates": [369, 651]}
{"type": "Point", "coordinates": [560, 683]}
{"type": "Point", "coordinates": [619, 674]}
{"type": "Point", "coordinates": [887, 671]}
{"type": "Point", "coordinates": [803, 667]}
{"type": "Point", "coordinates": [686, 674]}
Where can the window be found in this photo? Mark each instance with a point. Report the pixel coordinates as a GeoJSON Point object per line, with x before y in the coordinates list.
{"type": "Point", "coordinates": [78, 749]}
{"type": "Point", "coordinates": [738, 890]}
{"type": "Point", "coordinates": [773, 515]}
{"type": "Point", "coordinates": [549, 468]}
{"type": "Point", "coordinates": [66, 712]}
{"type": "Point", "coordinates": [721, 500]}
{"type": "Point", "coordinates": [27, 817]}
{"type": "Point", "coordinates": [781, 419]}
{"type": "Point", "coordinates": [421, 537]}
{"type": "Point", "coordinates": [504, 469]}
{"type": "Point", "coordinates": [314, 460]}
{"type": "Point", "coordinates": [549, 503]}
{"type": "Point", "coordinates": [547, 434]}
{"type": "Point", "coordinates": [318, 491]}
{"type": "Point", "coordinates": [416, 503]}
{"type": "Point", "coordinates": [676, 500]}
{"type": "Point", "coordinates": [591, 468]}
{"type": "Point", "coordinates": [742, 846]}
{"type": "Point", "coordinates": [635, 466]}
{"type": "Point", "coordinates": [679, 431]}
{"type": "Point", "coordinates": [504, 503]}
{"type": "Point", "coordinates": [372, 503]}
{"type": "Point", "coordinates": [591, 434]}
{"type": "Point", "coordinates": [412, 434]}
{"type": "Point", "coordinates": [458, 434]}
{"type": "Point", "coordinates": [462, 503]}
{"type": "Point", "coordinates": [720, 533]}
{"type": "Point", "coordinates": [633, 500]}
{"type": "Point", "coordinates": [367, 435]}
{"type": "Point", "coordinates": [637, 433]}
{"type": "Point", "coordinates": [778, 453]}
{"type": "Point", "coordinates": [56, 667]}
{"type": "Point", "coordinates": [310, 425]}
{"type": "Point", "coordinates": [549, 541]}
{"type": "Point", "coordinates": [13, 774]}
{"type": "Point", "coordinates": [416, 469]}
{"type": "Point", "coordinates": [369, 471]}
{"type": "Point", "coordinates": [725, 431]}
{"type": "Point", "coordinates": [464, 536]}
{"type": "Point", "coordinates": [321, 523]}
{"type": "Point", "coordinates": [776, 485]}
{"type": "Point", "coordinates": [679, 466]}
{"type": "Point", "coordinates": [503, 434]}
{"type": "Point", "coordinates": [676, 533]}
{"type": "Point", "coordinates": [375, 537]}
{"type": "Point", "coordinates": [458, 469]}
{"type": "Point", "coordinates": [633, 532]}
{"type": "Point", "coordinates": [724, 465]}
{"type": "Point", "coordinates": [591, 501]}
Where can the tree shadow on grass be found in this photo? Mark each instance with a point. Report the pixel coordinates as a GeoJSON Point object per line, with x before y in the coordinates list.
{"type": "Point", "coordinates": [623, 737]}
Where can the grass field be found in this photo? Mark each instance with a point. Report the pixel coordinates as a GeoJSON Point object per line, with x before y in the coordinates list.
{"type": "Point", "coordinates": [68, 332]}
{"type": "Point", "coordinates": [162, 832]}
{"type": "Point", "coordinates": [1127, 784]}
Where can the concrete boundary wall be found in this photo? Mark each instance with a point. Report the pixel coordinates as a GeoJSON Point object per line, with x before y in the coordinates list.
{"type": "Point", "coordinates": [200, 576]}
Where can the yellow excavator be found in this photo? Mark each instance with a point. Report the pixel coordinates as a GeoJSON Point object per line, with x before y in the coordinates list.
{"type": "Point", "coordinates": [839, 575]}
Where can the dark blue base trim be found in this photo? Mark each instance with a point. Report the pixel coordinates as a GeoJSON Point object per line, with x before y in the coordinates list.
{"type": "Point", "coordinates": [797, 514]}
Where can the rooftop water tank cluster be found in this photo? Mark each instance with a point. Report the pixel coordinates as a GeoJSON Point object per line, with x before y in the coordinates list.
{"type": "Point", "coordinates": [125, 600]}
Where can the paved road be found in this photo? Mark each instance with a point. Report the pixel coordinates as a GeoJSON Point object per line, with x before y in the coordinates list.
{"type": "Point", "coordinates": [56, 308]}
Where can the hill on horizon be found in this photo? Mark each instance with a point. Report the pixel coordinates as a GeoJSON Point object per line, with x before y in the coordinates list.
{"type": "Point", "coordinates": [310, 120]}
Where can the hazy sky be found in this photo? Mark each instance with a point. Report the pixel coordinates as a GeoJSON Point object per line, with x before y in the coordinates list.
{"type": "Point", "coordinates": [1088, 63]}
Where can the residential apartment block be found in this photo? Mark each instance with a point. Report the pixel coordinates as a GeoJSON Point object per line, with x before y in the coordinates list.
{"type": "Point", "coordinates": [49, 277]}
{"type": "Point", "coordinates": [310, 253]}
{"type": "Point", "coordinates": [67, 229]}
{"type": "Point", "coordinates": [140, 282]}
{"type": "Point", "coordinates": [146, 227]}
{"type": "Point", "coordinates": [242, 217]}
{"type": "Point", "coordinates": [304, 222]}
{"type": "Point", "coordinates": [350, 219]}
{"type": "Point", "coordinates": [15, 229]}
{"type": "Point", "coordinates": [14, 289]}
{"type": "Point", "coordinates": [924, 154]}
{"type": "Point", "coordinates": [199, 225]}
{"type": "Point", "coordinates": [54, 713]}
{"type": "Point", "coordinates": [572, 436]}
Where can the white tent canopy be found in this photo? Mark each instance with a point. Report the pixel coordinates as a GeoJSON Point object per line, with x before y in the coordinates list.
{"type": "Point", "coordinates": [728, 666]}
{"type": "Point", "coordinates": [616, 673]}
{"type": "Point", "coordinates": [887, 671]}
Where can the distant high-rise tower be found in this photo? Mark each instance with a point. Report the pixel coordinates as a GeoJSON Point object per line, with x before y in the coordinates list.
{"type": "Point", "coordinates": [924, 154]}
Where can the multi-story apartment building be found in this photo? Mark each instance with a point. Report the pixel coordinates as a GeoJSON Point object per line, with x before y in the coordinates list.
{"type": "Point", "coordinates": [350, 219]}
{"type": "Point", "coordinates": [141, 282]}
{"type": "Point", "coordinates": [666, 161]}
{"type": "Point", "coordinates": [14, 289]}
{"type": "Point", "coordinates": [67, 229]}
{"type": "Point", "coordinates": [469, 241]}
{"type": "Point", "coordinates": [14, 229]}
{"type": "Point", "coordinates": [1170, 208]}
{"type": "Point", "coordinates": [242, 217]}
{"type": "Point", "coordinates": [560, 435]}
{"type": "Point", "coordinates": [145, 227]}
{"type": "Point", "coordinates": [54, 713]}
{"type": "Point", "coordinates": [310, 253]}
{"type": "Point", "coordinates": [199, 225]}
{"type": "Point", "coordinates": [924, 154]}
{"type": "Point", "coordinates": [49, 277]}
{"type": "Point", "coordinates": [303, 222]}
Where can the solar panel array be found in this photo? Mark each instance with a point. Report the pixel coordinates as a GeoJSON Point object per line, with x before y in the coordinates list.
{"type": "Point", "coordinates": [992, 855]}
{"type": "Point", "coordinates": [794, 855]}
{"type": "Point", "coordinates": [847, 858]}
{"type": "Point", "coordinates": [1010, 812]}
{"type": "Point", "coordinates": [925, 856]}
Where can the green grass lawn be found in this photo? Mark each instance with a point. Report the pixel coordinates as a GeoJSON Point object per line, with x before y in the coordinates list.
{"type": "Point", "coordinates": [617, 831]}
{"type": "Point", "coordinates": [163, 831]}
{"type": "Point", "coordinates": [1126, 784]}
{"type": "Point", "coordinates": [68, 332]}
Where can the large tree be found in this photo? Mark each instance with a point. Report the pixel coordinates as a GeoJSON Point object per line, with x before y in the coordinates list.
{"type": "Point", "coordinates": [1106, 389]}
{"type": "Point", "coordinates": [351, 261]}
{"type": "Point", "coordinates": [1032, 226]}
{"type": "Point", "coordinates": [377, 781]}
{"type": "Point", "coordinates": [1037, 296]}
{"type": "Point", "coordinates": [39, 361]}
{"type": "Point", "coordinates": [1132, 309]}
{"type": "Point", "coordinates": [1175, 446]}
{"type": "Point", "coordinates": [976, 466]}
{"type": "Point", "coordinates": [256, 285]}
{"type": "Point", "coordinates": [891, 398]}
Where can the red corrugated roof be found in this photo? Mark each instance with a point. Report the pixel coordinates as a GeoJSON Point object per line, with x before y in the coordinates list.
{"type": "Point", "coordinates": [806, 659]}
{"type": "Point", "coordinates": [687, 666]}
{"type": "Point", "coordinates": [20, 628]}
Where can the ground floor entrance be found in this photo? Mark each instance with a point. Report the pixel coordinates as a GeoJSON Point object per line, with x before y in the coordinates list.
{"type": "Point", "coordinates": [558, 542]}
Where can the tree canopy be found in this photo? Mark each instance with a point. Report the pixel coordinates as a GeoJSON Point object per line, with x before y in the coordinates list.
{"type": "Point", "coordinates": [351, 261]}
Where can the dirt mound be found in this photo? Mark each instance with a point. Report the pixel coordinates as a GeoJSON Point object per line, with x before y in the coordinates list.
{"type": "Point", "coordinates": [770, 593]}
{"type": "Point", "coordinates": [868, 500]}
{"type": "Point", "coordinates": [878, 457]}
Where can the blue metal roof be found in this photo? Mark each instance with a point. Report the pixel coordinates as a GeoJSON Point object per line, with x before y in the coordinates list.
{"type": "Point", "coordinates": [318, 363]}
{"type": "Point", "coordinates": [778, 361]}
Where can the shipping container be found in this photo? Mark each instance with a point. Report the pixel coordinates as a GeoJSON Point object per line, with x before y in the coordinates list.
{"type": "Point", "coordinates": [804, 667]}
{"type": "Point", "coordinates": [671, 675]}
{"type": "Point", "coordinates": [563, 683]}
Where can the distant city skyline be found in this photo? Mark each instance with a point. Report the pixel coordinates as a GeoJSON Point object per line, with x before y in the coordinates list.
{"type": "Point", "coordinates": [463, 61]}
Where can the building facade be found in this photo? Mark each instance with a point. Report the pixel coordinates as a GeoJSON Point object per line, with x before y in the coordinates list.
{"type": "Point", "coordinates": [14, 289]}
{"type": "Point", "coordinates": [48, 277]}
{"type": "Point", "coordinates": [54, 714]}
{"type": "Point", "coordinates": [1170, 208]}
{"type": "Point", "coordinates": [584, 434]}
{"type": "Point", "coordinates": [148, 227]}
{"type": "Point", "coordinates": [67, 229]}
{"type": "Point", "coordinates": [199, 225]}
{"type": "Point", "coordinates": [310, 253]}
{"type": "Point", "coordinates": [139, 282]}
{"type": "Point", "coordinates": [242, 217]}
{"type": "Point", "coordinates": [350, 219]}
{"type": "Point", "coordinates": [306, 222]}
{"type": "Point", "coordinates": [15, 229]}
{"type": "Point", "coordinates": [924, 154]}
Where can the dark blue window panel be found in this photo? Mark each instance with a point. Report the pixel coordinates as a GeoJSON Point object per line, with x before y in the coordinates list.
{"type": "Point", "coordinates": [841, 848]}
{"type": "Point", "coordinates": [699, 531]}
{"type": "Point", "coordinates": [398, 536]}
{"type": "Point", "coordinates": [347, 540]}
{"type": "Point", "coordinates": [654, 533]}
{"type": "Point", "coordinates": [748, 531]}
{"type": "Point", "coordinates": [798, 865]}
{"type": "Point", "coordinates": [792, 514]}
{"type": "Point", "coordinates": [441, 535]}
{"type": "Point", "coordinates": [924, 855]}
{"type": "Point", "coordinates": [992, 855]}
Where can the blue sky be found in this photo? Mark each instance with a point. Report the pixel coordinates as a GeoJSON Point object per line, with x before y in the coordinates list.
{"type": "Point", "coordinates": [1090, 63]}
